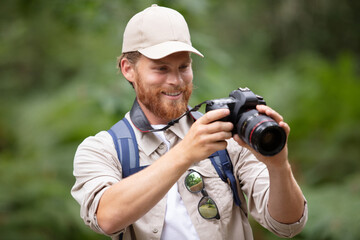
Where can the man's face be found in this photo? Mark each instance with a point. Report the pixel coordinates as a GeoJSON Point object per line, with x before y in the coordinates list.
{"type": "Point", "coordinates": [164, 86]}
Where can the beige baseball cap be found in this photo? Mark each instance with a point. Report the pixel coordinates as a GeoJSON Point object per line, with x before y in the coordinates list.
{"type": "Point", "coordinates": [157, 32]}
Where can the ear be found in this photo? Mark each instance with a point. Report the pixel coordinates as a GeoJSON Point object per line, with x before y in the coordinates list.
{"type": "Point", "coordinates": [128, 70]}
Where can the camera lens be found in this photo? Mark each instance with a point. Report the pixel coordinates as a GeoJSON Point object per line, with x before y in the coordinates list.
{"type": "Point", "coordinates": [261, 132]}
{"type": "Point", "coordinates": [268, 138]}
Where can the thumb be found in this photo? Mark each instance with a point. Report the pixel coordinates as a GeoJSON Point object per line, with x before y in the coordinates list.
{"type": "Point", "coordinates": [239, 140]}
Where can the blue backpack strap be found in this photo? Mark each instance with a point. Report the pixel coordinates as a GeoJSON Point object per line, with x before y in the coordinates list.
{"type": "Point", "coordinates": [128, 155]}
{"type": "Point", "coordinates": [126, 147]}
{"type": "Point", "coordinates": [224, 168]}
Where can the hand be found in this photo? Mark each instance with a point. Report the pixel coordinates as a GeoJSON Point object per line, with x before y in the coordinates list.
{"type": "Point", "coordinates": [279, 159]}
{"type": "Point", "coordinates": [207, 135]}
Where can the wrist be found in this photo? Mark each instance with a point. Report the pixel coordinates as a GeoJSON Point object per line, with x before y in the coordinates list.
{"type": "Point", "coordinates": [183, 159]}
{"type": "Point", "coordinates": [279, 167]}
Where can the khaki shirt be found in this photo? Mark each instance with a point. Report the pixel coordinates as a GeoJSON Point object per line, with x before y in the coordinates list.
{"type": "Point", "coordinates": [96, 168]}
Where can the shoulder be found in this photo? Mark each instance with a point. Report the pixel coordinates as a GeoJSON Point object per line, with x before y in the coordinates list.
{"type": "Point", "coordinates": [101, 140]}
{"type": "Point", "coordinates": [96, 149]}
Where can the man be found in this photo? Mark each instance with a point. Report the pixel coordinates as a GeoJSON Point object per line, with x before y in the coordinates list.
{"type": "Point", "coordinates": [154, 203]}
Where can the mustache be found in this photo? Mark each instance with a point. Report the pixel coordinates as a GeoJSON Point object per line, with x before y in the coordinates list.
{"type": "Point", "coordinates": [181, 88]}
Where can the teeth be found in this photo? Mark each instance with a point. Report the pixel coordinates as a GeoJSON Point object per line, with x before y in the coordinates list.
{"type": "Point", "coordinates": [173, 94]}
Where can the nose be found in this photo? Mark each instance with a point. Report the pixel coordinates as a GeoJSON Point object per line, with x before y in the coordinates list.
{"type": "Point", "coordinates": [175, 78]}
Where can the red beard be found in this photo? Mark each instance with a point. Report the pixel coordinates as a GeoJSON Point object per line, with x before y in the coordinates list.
{"type": "Point", "coordinates": [152, 99]}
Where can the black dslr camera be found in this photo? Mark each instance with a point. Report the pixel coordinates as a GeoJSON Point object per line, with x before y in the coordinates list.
{"type": "Point", "coordinates": [259, 131]}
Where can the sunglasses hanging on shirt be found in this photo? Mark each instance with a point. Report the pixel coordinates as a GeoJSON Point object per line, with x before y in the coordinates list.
{"type": "Point", "coordinates": [207, 208]}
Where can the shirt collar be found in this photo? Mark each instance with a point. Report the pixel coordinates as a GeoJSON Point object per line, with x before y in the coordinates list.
{"type": "Point", "coordinates": [147, 141]}
{"type": "Point", "coordinates": [139, 119]}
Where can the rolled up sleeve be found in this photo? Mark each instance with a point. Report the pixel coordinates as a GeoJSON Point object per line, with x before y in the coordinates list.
{"type": "Point", "coordinates": [96, 168]}
{"type": "Point", "coordinates": [286, 230]}
{"type": "Point", "coordinates": [254, 180]}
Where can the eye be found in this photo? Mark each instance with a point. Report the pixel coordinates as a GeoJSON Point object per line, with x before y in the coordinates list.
{"type": "Point", "coordinates": [184, 67]}
{"type": "Point", "coordinates": [162, 68]}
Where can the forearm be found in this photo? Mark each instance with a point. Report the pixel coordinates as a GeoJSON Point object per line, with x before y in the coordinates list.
{"type": "Point", "coordinates": [286, 201]}
{"type": "Point", "coordinates": [128, 200]}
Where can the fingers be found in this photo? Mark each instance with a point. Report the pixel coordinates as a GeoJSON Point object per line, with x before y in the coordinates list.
{"type": "Point", "coordinates": [219, 126]}
{"type": "Point", "coordinates": [213, 115]}
{"type": "Point", "coordinates": [218, 136]}
{"type": "Point", "coordinates": [208, 134]}
{"type": "Point", "coordinates": [213, 132]}
{"type": "Point", "coordinates": [274, 115]}
{"type": "Point", "coordinates": [269, 112]}
{"type": "Point", "coordinates": [210, 126]}
{"type": "Point", "coordinates": [285, 126]}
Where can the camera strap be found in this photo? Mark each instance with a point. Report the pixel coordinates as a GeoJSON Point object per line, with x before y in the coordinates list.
{"type": "Point", "coordinates": [141, 122]}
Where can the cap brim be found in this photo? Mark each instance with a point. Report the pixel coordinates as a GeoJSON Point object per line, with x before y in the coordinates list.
{"type": "Point", "coordinates": [166, 48]}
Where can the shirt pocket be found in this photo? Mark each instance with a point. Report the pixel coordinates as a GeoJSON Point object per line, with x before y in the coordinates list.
{"type": "Point", "coordinates": [216, 188]}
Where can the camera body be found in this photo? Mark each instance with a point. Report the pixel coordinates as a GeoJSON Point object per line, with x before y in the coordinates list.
{"type": "Point", "coordinates": [259, 131]}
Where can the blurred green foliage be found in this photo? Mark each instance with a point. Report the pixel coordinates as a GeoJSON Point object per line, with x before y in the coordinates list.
{"type": "Point", "coordinates": [59, 84]}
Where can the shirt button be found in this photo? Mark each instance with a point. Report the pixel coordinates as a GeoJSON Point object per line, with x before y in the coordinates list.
{"type": "Point", "coordinates": [155, 230]}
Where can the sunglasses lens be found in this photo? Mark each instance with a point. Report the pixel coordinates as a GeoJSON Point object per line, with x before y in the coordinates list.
{"type": "Point", "coordinates": [194, 182]}
{"type": "Point", "coordinates": [208, 208]}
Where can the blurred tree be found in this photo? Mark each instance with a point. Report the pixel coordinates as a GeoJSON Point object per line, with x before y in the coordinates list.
{"type": "Point", "coordinates": [59, 84]}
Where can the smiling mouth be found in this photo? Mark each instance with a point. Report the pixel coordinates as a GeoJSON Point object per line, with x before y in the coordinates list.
{"type": "Point", "coordinates": [174, 94]}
